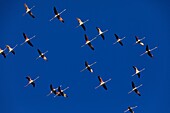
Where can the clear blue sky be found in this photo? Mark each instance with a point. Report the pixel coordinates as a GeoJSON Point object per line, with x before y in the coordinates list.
{"type": "Point", "coordinates": [146, 18]}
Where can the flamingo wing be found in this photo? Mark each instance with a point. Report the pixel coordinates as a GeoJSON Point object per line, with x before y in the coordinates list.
{"type": "Point", "coordinates": [28, 78]}
{"type": "Point", "coordinates": [116, 36]}
{"type": "Point", "coordinates": [91, 46]}
{"type": "Point", "coordinates": [83, 26]}
{"type": "Point", "coordinates": [133, 85]}
{"type": "Point", "coordinates": [39, 51]}
{"type": "Point", "coordinates": [104, 86]}
{"type": "Point", "coordinates": [55, 11]}
{"type": "Point", "coordinates": [33, 84]}
{"type": "Point", "coordinates": [29, 42]}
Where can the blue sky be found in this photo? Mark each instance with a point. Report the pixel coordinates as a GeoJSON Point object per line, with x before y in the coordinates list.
{"type": "Point", "coordinates": [147, 18]}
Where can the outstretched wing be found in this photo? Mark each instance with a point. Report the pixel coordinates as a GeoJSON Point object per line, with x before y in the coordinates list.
{"type": "Point", "coordinates": [28, 78]}
{"type": "Point", "coordinates": [86, 63]}
{"type": "Point", "coordinates": [55, 11]}
{"type": "Point", "coordinates": [39, 51]}
{"type": "Point", "coordinates": [91, 46]}
{"type": "Point", "coordinates": [83, 26]}
{"type": "Point", "coordinates": [136, 38]}
{"type": "Point", "coordinates": [26, 7]}
{"type": "Point", "coordinates": [100, 79]}
{"type": "Point", "coordinates": [116, 36]}
{"type": "Point", "coordinates": [133, 85]}
{"type": "Point", "coordinates": [25, 36]}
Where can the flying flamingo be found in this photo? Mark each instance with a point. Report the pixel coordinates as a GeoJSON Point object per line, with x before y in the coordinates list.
{"type": "Point", "coordinates": [148, 51]}
{"type": "Point", "coordinates": [130, 109]}
{"type": "Point", "coordinates": [30, 81]}
{"type": "Point", "coordinates": [81, 23]}
{"type": "Point", "coordinates": [2, 52]}
{"type": "Point", "coordinates": [102, 83]}
{"type": "Point", "coordinates": [101, 33]}
{"type": "Point", "coordinates": [27, 40]}
{"type": "Point", "coordinates": [61, 92]}
{"type": "Point", "coordinates": [53, 90]}
{"type": "Point", "coordinates": [139, 41]}
{"type": "Point", "coordinates": [88, 67]}
{"type": "Point", "coordinates": [11, 49]}
{"type": "Point", "coordinates": [135, 89]}
{"type": "Point", "coordinates": [119, 40]}
{"type": "Point", "coordinates": [57, 15]}
{"type": "Point", "coordinates": [137, 72]}
{"type": "Point", "coordinates": [42, 55]}
{"type": "Point", "coordinates": [88, 42]}
{"type": "Point", "coordinates": [28, 10]}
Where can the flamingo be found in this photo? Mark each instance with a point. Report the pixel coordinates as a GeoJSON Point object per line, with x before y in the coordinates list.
{"type": "Point", "coordinates": [130, 109]}
{"type": "Point", "coordinates": [61, 92]}
{"type": "Point", "coordinates": [88, 42]}
{"type": "Point", "coordinates": [11, 49]}
{"type": "Point", "coordinates": [28, 10]}
{"type": "Point", "coordinates": [119, 40]}
{"type": "Point", "coordinates": [88, 67]}
{"type": "Point", "coordinates": [53, 90]}
{"type": "Point", "coordinates": [57, 15]}
{"type": "Point", "coordinates": [148, 51]}
{"type": "Point", "coordinates": [139, 41]}
{"type": "Point", "coordinates": [2, 52]}
{"type": "Point", "coordinates": [42, 55]}
{"type": "Point", "coordinates": [30, 81]}
{"type": "Point", "coordinates": [102, 83]}
{"type": "Point", "coordinates": [101, 33]}
{"type": "Point", "coordinates": [27, 40]}
{"type": "Point", "coordinates": [137, 72]}
{"type": "Point", "coordinates": [135, 89]}
{"type": "Point", "coordinates": [81, 23]}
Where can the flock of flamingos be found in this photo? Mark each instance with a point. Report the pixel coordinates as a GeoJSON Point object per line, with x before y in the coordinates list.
{"type": "Point", "coordinates": [60, 92]}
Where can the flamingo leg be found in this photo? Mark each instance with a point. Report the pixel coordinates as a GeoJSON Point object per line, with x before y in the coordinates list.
{"type": "Point", "coordinates": [154, 48]}
{"type": "Point", "coordinates": [65, 88]}
{"type": "Point", "coordinates": [92, 64]}
{"type": "Point", "coordinates": [62, 12]}
{"type": "Point", "coordinates": [32, 37]}
{"type": "Point", "coordinates": [36, 78]}
{"type": "Point", "coordinates": [139, 86]}
{"type": "Point", "coordinates": [108, 80]}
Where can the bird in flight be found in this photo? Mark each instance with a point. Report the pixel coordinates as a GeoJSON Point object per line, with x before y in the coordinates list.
{"type": "Point", "coordinates": [135, 89]}
{"type": "Point", "coordinates": [2, 52]}
{"type": "Point", "coordinates": [88, 42]}
{"type": "Point", "coordinates": [102, 83]}
{"type": "Point", "coordinates": [30, 81]}
{"type": "Point", "coordinates": [28, 10]}
{"type": "Point", "coordinates": [81, 23]}
{"type": "Point", "coordinates": [53, 90]}
{"type": "Point", "coordinates": [57, 15]}
{"type": "Point", "coordinates": [101, 33]}
{"type": "Point", "coordinates": [148, 51]}
{"type": "Point", "coordinates": [139, 41]}
{"type": "Point", "coordinates": [27, 40]}
{"type": "Point", "coordinates": [119, 40]}
{"type": "Point", "coordinates": [11, 50]}
{"type": "Point", "coordinates": [88, 67]}
{"type": "Point", "coordinates": [130, 109]}
{"type": "Point", "coordinates": [137, 72]}
{"type": "Point", "coordinates": [61, 92]}
{"type": "Point", "coordinates": [42, 55]}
